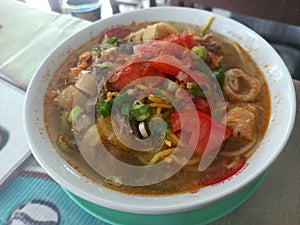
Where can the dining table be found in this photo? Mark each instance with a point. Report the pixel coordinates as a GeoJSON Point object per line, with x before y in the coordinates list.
{"type": "Point", "coordinates": [28, 195]}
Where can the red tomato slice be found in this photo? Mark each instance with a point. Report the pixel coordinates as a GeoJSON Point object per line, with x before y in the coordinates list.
{"type": "Point", "coordinates": [168, 64]}
{"type": "Point", "coordinates": [206, 123]}
{"type": "Point", "coordinates": [185, 40]}
{"type": "Point", "coordinates": [153, 49]}
{"type": "Point", "coordinates": [200, 104]}
{"type": "Point", "coordinates": [218, 175]}
{"type": "Point", "coordinates": [150, 50]}
{"type": "Point", "coordinates": [131, 72]}
{"type": "Point", "coordinates": [191, 76]}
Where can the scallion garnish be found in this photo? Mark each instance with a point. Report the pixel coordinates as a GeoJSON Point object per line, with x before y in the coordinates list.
{"type": "Point", "coordinates": [220, 76]}
{"type": "Point", "coordinates": [197, 93]}
{"type": "Point", "coordinates": [125, 109]}
{"type": "Point", "coordinates": [104, 107]}
{"type": "Point", "coordinates": [140, 112]}
{"type": "Point", "coordinates": [75, 113]}
{"type": "Point", "coordinates": [112, 40]}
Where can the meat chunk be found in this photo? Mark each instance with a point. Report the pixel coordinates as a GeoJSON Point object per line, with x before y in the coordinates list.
{"type": "Point", "coordinates": [241, 121]}
{"type": "Point", "coordinates": [87, 84]}
{"type": "Point", "coordinates": [240, 86]}
{"type": "Point", "coordinates": [85, 60]}
{"type": "Point", "coordinates": [153, 32]}
{"type": "Point", "coordinates": [65, 98]}
{"type": "Point", "coordinates": [208, 41]}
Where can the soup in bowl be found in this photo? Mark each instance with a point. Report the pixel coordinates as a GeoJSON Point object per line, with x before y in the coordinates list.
{"type": "Point", "coordinates": [146, 113]}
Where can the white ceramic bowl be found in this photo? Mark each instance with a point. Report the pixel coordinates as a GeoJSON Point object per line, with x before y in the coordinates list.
{"type": "Point", "coordinates": [280, 126]}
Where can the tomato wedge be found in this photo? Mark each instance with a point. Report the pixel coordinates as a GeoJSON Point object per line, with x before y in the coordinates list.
{"type": "Point", "coordinates": [153, 49]}
{"type": "Point", "coordinates": [168, 64]}
{"type": "Point", "coordinates": [206, 123]}
{"type": "Point", "coordinates": [218, 175]}
{"type": "Point", "coordinates": [149, 49]}
{"type": "Point", "coordinates": [134, 70]}
{"type": "Point", "coordinates": [185, 40]}
{"type": "Point", "coordinates": [200, 104]}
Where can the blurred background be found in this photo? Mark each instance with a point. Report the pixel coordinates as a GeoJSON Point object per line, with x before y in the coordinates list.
{"type": "Point", "coordinates": [278, 21]}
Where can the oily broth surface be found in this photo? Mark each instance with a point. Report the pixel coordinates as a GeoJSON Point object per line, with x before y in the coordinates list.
{"type": "Point", "coordinates": [170, 186]}
{"type": "Point", "coordinates": [52, 116]}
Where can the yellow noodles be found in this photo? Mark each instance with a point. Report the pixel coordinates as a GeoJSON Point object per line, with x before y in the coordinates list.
{"type": "Point", "coordinates": [161, 105]}
{"type": "Point", "coordinates": [240, 151]}
{"type": "Point", "coordinates": [207, 24]}
{"type": "Point", "coordinates": [161, 155]}
{"type": "Point", "coordinates": [173, 138]}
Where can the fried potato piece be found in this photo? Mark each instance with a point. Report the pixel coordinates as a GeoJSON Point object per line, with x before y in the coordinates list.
{"type": "Point", "coordinates": [153, 32]}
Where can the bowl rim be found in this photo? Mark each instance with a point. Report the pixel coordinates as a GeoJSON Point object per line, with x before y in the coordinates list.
{"type": "Point", "coordinates": [159, 209]}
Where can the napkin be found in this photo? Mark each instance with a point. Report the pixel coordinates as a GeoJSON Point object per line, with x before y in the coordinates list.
{"type": "Point", "coordinates": [39, 33]}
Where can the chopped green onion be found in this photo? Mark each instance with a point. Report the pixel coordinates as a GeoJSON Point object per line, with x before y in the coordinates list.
{"type": "Point", "coordinates": [121, 99]}
{"type": "Point", "coordinates": [197, 93]}
{"type": "Point", "coordinates": [75, 113]}
{"type": "Point", "coordinates": [137, 104]}
{"type": "Point", "coordinates": [168, 123]}
{"type": "Point", "coordinates": [104, 107]}
{"type": "Point", "coordinates": [125, 109]}
{"type": "Point", "coordinates": [221, 65]}
{"type": "Point", "coordinates": [100, 102]}
{"type": "Point", "coordinates": [112, 40]}
{"type": "Point", "coordinates": [62, 144]}
{"type": "Point", "coordinates": [220, 76]}
{"type": "Point", "coordinates": [200, 90]}
{"type": "Point", "coordinates": [140, 112]}
{"type": "Point", "coordinates": [191, 85]}
{"type": "Point", "coordinates": [200, 51]}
